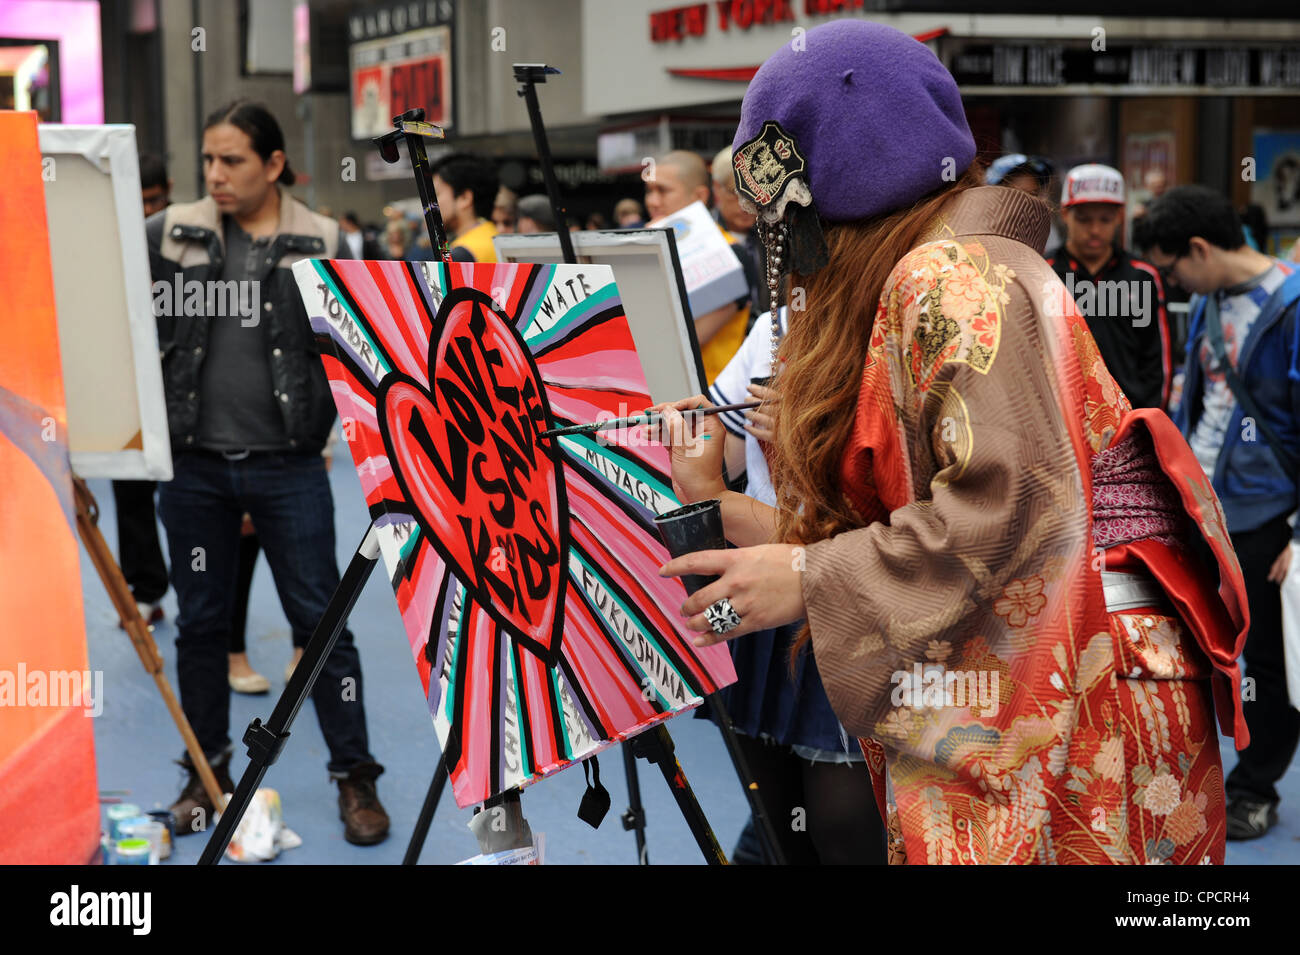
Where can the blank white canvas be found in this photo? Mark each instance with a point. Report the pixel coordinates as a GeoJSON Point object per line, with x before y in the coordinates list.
{"type": "Point", "coordinates": [108, 339]}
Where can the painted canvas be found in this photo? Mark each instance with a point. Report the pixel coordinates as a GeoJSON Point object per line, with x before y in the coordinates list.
{"type": "Point", "coordinates": [525, 567]}
{"type": "Point", "coordinates": [49, 801]}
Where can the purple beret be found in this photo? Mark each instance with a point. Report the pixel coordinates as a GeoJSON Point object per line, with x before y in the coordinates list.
{"type": "Point", "coordinates": [873, 112]}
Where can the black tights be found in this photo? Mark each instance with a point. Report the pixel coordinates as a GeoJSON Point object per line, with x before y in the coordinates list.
{"type": "Point", "coordinates": [823, 813]}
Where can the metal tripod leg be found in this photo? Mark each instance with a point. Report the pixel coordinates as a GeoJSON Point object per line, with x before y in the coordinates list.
{"type": "Point", "coordinates": [265, 741]}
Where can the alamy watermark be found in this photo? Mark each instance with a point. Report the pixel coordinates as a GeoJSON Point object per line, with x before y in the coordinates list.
{"type": "Point", "coordinates": [1101, 298]}
{"type": "Point", "coordinates": [933, 686]}
{"type": "Point", "coordinates": [55, 688]}
{"type": "Point", "coordinates": [214, 299]}
{"type": "Point", "coordinates": [131, 909]}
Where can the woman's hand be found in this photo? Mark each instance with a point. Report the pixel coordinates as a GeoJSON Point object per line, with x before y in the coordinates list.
{"type": "Point", "coordinates": [759, 421]}
{"type": "Point", "coordinates": [696, 448]}
{"type": "Point", "coordinates": [763, 584]}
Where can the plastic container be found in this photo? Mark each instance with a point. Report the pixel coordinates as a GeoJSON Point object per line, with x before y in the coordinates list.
{"type": "Point", "coordinates": [694, 527]}
{"type": "Point", "coordinates": [123, 810]}
{"type": "Point", "coordinates": [149, 829]}
{"type": "Point", "coordinates": [165, 818]}
{"type": "Point", "coordinates": [131, 852]}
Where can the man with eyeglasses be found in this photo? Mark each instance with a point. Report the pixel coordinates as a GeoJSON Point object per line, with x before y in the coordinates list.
{"type": "Point", "coordinates": [1240, 412]}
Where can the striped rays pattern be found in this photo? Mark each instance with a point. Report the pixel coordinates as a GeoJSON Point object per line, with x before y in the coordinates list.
{"type": "Point", "coordinates": [505, 713]}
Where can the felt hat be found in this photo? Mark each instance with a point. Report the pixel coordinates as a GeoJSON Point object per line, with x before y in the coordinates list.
{"type": "Point", "coordinates": [865, 115]}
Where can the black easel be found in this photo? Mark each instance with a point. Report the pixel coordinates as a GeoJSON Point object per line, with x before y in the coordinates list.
{"type": "Point", "coordinates": [411, 127]}
{"type": "Point", "coordinates": [266, 740]}
{"type": "Point", "coordinates": [657, 750]}
{"type": "Point", "coordinates": [655, 745]}
{"type": "Point", "coordinates": [527, 76]}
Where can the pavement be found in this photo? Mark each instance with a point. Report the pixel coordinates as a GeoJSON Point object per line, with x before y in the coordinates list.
{"type": "Point", "coordinates": [136, 741]}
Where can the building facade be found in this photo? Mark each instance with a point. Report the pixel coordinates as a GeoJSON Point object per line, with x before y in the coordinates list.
{"type": "Point", "coordinates": [1194, 96]}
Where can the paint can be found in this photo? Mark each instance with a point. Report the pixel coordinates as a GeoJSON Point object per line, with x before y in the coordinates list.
{"type": "Point", "coordinates": [131, 852]}
{"type": "Point", "coordinates": [123, 810]}
{"type": "Point", "coordinates": [168, 821]}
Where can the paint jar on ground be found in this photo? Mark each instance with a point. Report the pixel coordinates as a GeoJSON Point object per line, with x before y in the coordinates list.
{"type": "Point", "coordinates": [131, 852]}
{"type": "Point", "coordinates": [149, 829]}
{"type": "Point", "coordinates": [116, 814]}
{"type": "Point", "coordinates": [165, 818]}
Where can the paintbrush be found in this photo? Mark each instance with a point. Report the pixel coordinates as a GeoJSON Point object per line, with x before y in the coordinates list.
{"type": "Point", "coordinates": [643, 417]}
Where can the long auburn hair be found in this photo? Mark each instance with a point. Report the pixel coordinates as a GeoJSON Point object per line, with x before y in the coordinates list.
{"type": "Point", "coordinates": [824, 351]}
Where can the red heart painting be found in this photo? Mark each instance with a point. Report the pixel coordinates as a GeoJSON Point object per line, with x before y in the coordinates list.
{"type": "Point", "coordinates": [485, 488]}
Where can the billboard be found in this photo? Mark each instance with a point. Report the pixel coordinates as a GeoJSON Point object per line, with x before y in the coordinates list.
{"type": "Point", "coordinates": [397, 73]}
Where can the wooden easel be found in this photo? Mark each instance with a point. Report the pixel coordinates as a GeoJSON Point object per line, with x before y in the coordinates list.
{"type": "Point", "coordinates": [138, 630]}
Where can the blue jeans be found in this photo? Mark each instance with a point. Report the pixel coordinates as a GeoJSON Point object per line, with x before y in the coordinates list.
{"type": "Point", "coordinates": [288, 497]}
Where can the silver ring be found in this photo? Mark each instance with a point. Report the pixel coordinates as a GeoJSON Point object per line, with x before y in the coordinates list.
{"type": "Point", "coordinates": [722, 617]}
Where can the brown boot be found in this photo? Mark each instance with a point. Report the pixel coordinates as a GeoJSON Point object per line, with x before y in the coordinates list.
{"type": "Point", "coordinates": [193, 810]}
{"type": "Point", "coordinates": [364, 820]}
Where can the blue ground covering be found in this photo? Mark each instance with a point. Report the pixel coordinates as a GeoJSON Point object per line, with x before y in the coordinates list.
{"type": "Point", "coordinates": [136, 741]}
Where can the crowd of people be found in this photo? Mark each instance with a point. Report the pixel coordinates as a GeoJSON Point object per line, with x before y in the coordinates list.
{"type": "Point", "coordinates": [930, 510]}
{"type": "Point", "coordinates": [474, 208]}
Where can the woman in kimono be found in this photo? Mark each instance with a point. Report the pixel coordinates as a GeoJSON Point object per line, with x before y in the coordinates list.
{"type": "Point", "coordinates": [1019, 591]}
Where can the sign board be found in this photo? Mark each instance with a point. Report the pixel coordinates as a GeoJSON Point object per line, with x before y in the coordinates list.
{"type": "Point", "coordinates": [1276, 188]}
{"type": "Point", "coordinates": [398, 73]}
{"type": "Point", "coordinates": [1179, 67]}
{"type": "Point", "coordinates": [713, 274]}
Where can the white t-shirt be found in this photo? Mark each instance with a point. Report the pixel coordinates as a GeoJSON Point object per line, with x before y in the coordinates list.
{"type": "Point", "coordinates": [753, 360]}
{"type": "Point", "coordinates": [355, 240]}
{"type": "Point", "coordinates": [1238, 309]}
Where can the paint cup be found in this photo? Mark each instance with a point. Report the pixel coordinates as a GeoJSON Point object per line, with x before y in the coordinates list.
{"type": "Point", "coordinates": [165, 819]}
{"type": "Point", "coordinates": [146, 828]}
{"type": "Point", "coordinates": [123, 810]}
{"type": "Point", "coordinates": [690, 528]}
{"type": "Point", "coordinates": [130, 828]}
{"type": "Point", "coordinates": [131, 852]}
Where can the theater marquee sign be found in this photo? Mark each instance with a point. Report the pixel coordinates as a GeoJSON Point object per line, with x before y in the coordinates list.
{"type": "Point", "coordinates": [1122, 67]}
{"type": "Point", "coordinates": [399, 57]}
{"type": "Point", "coordinates": [703, 54]}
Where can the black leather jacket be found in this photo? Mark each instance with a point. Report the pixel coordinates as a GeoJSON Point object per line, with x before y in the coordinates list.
{"type": "Point", "coordinates": [186, 244]}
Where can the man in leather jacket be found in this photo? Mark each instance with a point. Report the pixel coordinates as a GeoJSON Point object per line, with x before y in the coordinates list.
{"type": "Point", "coordinates": [249, 409]}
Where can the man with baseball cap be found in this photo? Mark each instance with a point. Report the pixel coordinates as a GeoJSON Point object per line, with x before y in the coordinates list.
{"type": "Point", "coordinates": [1120, 296]}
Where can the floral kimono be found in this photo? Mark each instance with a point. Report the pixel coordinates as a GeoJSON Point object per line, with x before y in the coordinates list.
{"type": "Point", "coordinates": [1034, 624]}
